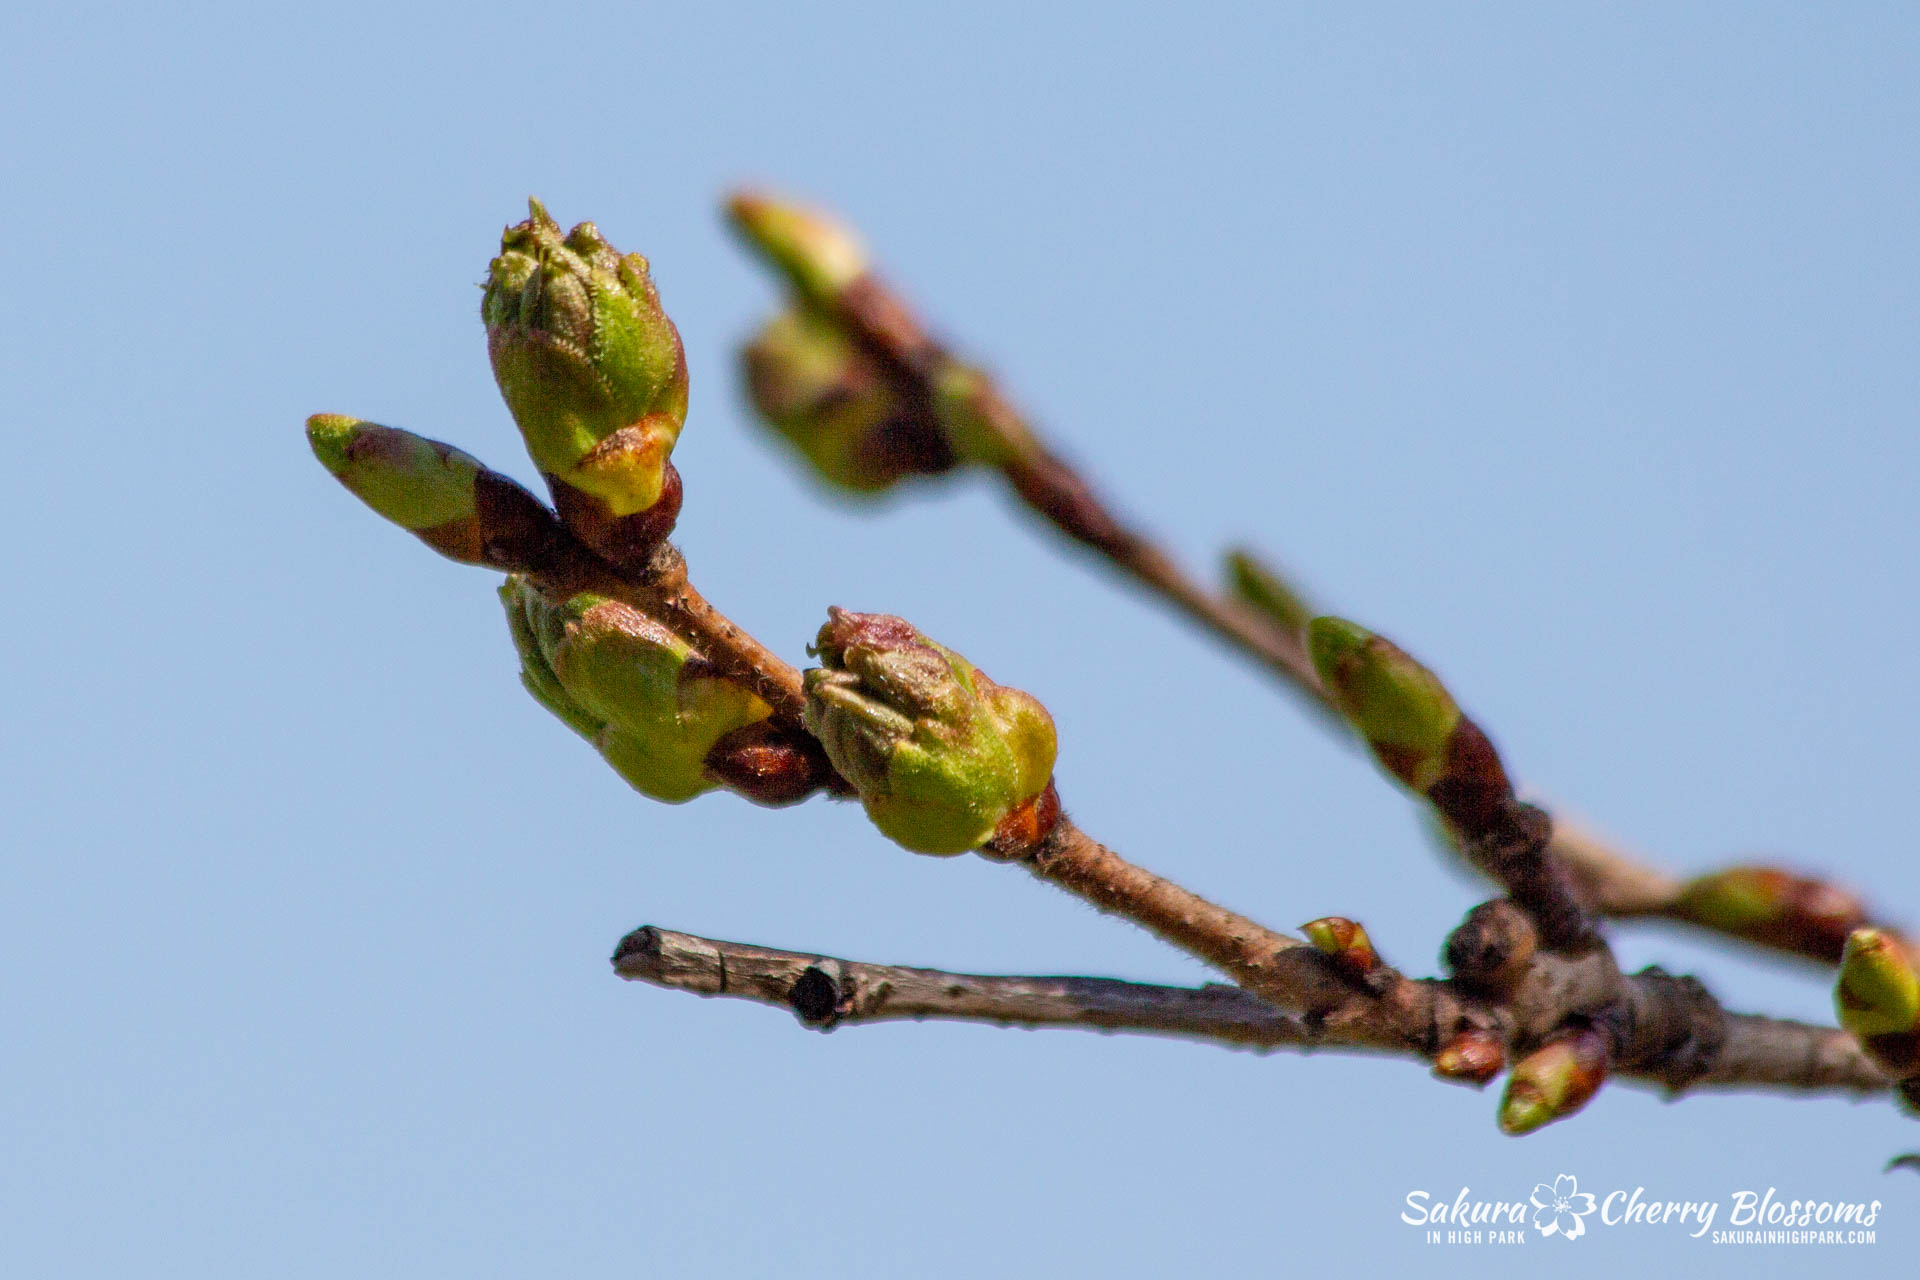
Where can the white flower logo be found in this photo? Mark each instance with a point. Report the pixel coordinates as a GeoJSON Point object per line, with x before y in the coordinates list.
{"type": "Point", "coordinates": [1559, 1208]}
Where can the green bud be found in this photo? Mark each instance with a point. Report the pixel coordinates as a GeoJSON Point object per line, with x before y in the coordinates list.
{"type": "Point", "coordinates": [1775, 907]}
{"type": "Point", "coordinates": [818, 255]}
{"type": "Point", "coordinates": [1402, 710]}
{"type": "Point", "coordinates": [628, 685]}
{"type": "Point", "coordinates": [587, 360]}
{"type": "Point", "coordinates": [523, 603]}
{"type": "Point", "coordinates": [979, 427]}
{"type": "Point", "coordinates": [812, 385]}
{"type": "Point", "coordinates": [939, 753]}
{"type": "Point", "coordinates": [1266, 592]}
{"type": "Point", "coordinates": [1554, 1081]}
{"type": "Point", "coordinates": [415, 482]}
{"type": "Point", "coordinates": [1738, 898]}
{"type": "Point", "coordinates": [444, 497]}
{"type": "Point", "coordinates": [1878, 993]}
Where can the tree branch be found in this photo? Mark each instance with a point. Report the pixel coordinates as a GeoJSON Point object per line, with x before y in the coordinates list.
{"type": "Point", "coordinates": [1261, 618]}
{"type": "Point", "coordinates": [824, 992]}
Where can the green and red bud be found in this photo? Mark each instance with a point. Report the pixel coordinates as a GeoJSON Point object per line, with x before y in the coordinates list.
{"type": "Point", "coordinates": [1472, 1057]}
{"type": "Point", "coordinates": [653, 708]}
{"type": "Point", "coordinates": [441, 495]}
{"type": "Point", "coordinates": [1345, 942]}
{"type": "Point", "coordinates": [817, 254]}
{"type": "Point", "coordinates": [1775, 907]}
{"type": "Point", "coordinates": [1555, 1080]}
{"type": "Point", "coordinates": [1418, 734]}
{"type": "Point", "coordinates": [594, 374]}
{"type": "Point", "coordinates": [835, 406]}
{"type": "Point", "coordinates": [1878, 992]}
{"type": "Point", "coordinates": [1400, 708]}
{"type": "Point", "coordinates": [978, 426]}
{"type": "Point", "coordinates": [939, 753]}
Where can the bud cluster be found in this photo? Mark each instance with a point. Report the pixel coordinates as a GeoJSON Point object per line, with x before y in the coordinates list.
{"type": "Point", "coordinates": [594, 375]}
{"type": "Point", "coordinates": [940, 754]}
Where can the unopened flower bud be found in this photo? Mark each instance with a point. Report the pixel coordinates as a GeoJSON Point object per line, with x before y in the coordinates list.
{"type": "Point", "coordinates": [441, 495]}
{"type": "Point", "coordinates": [939, 753]}
{"type": "Point", "coordinates": [832, 403]}
{"type": "Point", "coordinates": [1555, 1080]}
{"type": "Point", "coordinates": [1345, 942]}
{"type": "Point", "coordinates": [1878, 992]}
{"type": "Point", "coordinates": [1472, 1057]}
{"type": "Point", "coordinates": [1737, 899]}
{"type": "Point", "coordinates": [631, 687]}
{"type": "Point", "coordinates": [1768, 905]}
{"type": "Point", "coordinates": [818, 255]}
{"type": "Point", "coordinates": [1400, 708]}
{"type": "Point", "coordinates": [587, 361]}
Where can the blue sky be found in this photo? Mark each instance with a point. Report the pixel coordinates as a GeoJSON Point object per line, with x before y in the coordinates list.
{"type": "Point", "coordinates": [1572, 348]}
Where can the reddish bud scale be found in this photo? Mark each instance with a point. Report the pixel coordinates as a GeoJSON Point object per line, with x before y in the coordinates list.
{"type": "Point", "coordinates": [1023, 830]}
{"type": "Point", "coordinates": [629, 541]}
{"type": "Point", "coordinates": [771, 765]}
{"type": "Point", "coordinates": [517, 532]}
{"type": "Point", "coordinates": [1898, 1054]}
{"type": "Point", "coordinates": [846, 630]}
{"type": "Point", "coordinates": [887, 326]}
{"type": "Point", "coordinates": [1474, 792]}
{"type": "Point", "coordinates": [1473, 1057]}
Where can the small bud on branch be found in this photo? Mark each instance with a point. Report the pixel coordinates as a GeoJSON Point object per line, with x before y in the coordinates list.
{"type": "Point", "coordinates": [1555, 1080]}
{"type": "Point", "coordinates": [441, 495]}
{"type": "Point", "coordinates": [1345, 942]}
{"type": "Point", "coordinates": [1878, 992]}
{"type": "Point", "coordinates": [1473, 1057]}
{"type": "Point", "coordinates": [1878, 999]}
{"type": "Point", "coordinates": [1773, 907]}
{"type": "Point", "coordinates": [818, 255]}
{"type": "Point", "coordinates": [1418, 734]}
